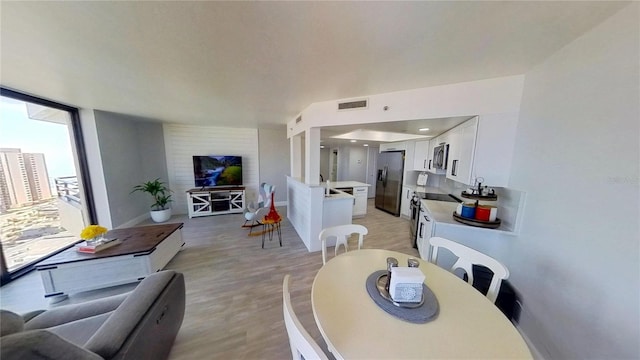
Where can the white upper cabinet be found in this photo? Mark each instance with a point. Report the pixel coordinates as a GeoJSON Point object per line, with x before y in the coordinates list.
{"type": "Point", "coordinates": [482, 147]}
{"type": "Point", "coordinates": [461, 149]}
{"type": "Point", "coordinates": [421, 155]}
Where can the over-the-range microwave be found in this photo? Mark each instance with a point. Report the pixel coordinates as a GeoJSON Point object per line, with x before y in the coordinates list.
{"type": "Point", "coordinates": [440, 156]}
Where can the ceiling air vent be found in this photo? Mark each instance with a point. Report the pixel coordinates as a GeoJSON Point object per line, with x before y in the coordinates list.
{"type": "Point", "coordinates": [298, 119]}
{"type": "Point", "coordinates": [351, 105]}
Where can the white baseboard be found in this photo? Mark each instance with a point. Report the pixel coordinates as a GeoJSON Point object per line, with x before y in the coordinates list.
{"type": "Point", "coordinates": [135, 221]}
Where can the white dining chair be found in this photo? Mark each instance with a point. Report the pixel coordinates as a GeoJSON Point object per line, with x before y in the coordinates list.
{"type": "Point", "coordinates": [468, 257]}
{"type": "Point", "coordinates": [302, 344]}
{"type": "Point", "coordinates": [342, 234]}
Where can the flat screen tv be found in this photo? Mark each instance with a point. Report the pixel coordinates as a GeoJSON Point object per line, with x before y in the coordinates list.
{"type": "Point", "coordinates": [217, 171]}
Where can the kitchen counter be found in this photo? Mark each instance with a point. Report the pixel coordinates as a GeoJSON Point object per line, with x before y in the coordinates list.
{"type": "Point", "coordinates": [353, 190]}
{"type": "Point", "coordinates": [309, 211]}
{"type": "Point", "coordinates": [337, 195]}
{"type": "Point", "coordinates": [442, 213]}
{"type": "Point", "coordinates": [438, 221]}
{"type": "Point", "coordinates": [427, 189]}
{"type": "Point", "coordinates": [345, 184]}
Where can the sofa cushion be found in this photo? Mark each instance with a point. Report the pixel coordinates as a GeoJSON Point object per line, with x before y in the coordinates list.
{"type": "Point", "coordinates": [72, 312]}
{"type": "Point", "coordinates": [80, 331]}
{"type": "Point", "coordinates": [10, 322]}
{"type": "Point", "coordinates": [41, 345]}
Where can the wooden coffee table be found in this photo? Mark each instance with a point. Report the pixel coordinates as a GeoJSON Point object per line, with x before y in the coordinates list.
{"type": "Point", "coordinates": [143, 251]}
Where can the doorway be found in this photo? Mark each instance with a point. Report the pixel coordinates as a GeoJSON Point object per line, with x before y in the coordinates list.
{"type": "Point", "coordinates": [334, 165]}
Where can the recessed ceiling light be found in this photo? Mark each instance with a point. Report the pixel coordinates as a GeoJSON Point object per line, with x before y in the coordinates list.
{"type": "Point", "coordinates": [321, 146]}
{"type": "Point", "coordinates": [423, 129]}
{"type": "Point", "coordinates": [365, 145]}
{"type": "Point", "coordinates": [354, 140]}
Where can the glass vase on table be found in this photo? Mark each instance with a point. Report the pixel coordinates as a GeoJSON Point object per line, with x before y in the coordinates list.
{"type": "Point", "coordinates": [96, 240]}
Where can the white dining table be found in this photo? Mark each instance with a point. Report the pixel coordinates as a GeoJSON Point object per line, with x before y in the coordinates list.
{"type": "Point", "coordinates": [468, 325]}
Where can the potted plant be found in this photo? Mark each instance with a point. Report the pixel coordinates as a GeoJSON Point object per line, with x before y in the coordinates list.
{"type": "Point", "coordinates": [160, 210]}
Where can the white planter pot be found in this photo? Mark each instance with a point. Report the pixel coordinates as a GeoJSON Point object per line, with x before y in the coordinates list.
{"type": "Point", "coordinates": [160, 215]}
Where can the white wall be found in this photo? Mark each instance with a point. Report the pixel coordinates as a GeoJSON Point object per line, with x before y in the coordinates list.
{"type": "Point", "coordinates": [304, 211]}
{"type": "Point", "coordinates": [576, 261]}
{"type": "Point", "coordinates": [132, 151]}
{"type": "Point", "coordinates": [182, 142]}
{"type": "Point", "coordinates": [274, 160]}
{"type": "Point", "coordinates": [352, 163]}
{"type": "Point", "coordinates": [490, 96]}
{"type": "Point", "coordinates": [94, 162]}
{"type": "Point", "coordinates": [122, 151]}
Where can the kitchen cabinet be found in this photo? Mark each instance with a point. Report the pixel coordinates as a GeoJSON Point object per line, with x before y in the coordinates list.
{"type": "Point", "coordinates": [421, 155]}
{"type": "Point", "coordinates": [336, 210]}
{"type": "Point", "coordinates": [405, 201]}
{"type": "Point", "coordinates": [358, 190]}
{"type": "Point", "coordinates": [360, 201]}
{"type": "Point", "coordinates": [482, 147]}
{"type": "Point", "coordinates": [425, 229]}
{"type": "Point", "coordinates": [461, 149]}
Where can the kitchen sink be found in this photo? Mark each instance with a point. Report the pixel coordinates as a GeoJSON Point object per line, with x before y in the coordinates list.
{"type": "Point", "coordinates": [335, 192]}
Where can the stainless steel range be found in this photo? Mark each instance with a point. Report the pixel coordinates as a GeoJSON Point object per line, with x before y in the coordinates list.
{"type": "Point", "coordinates": [414, 207]}
{"type": "Point", "coordinates": [437, 197]}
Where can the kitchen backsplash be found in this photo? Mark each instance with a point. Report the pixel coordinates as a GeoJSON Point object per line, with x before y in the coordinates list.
{"type": "Point", "coordinates": [510, 202]}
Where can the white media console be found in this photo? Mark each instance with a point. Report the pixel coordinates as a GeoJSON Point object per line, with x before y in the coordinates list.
{"type": "Point", "coordinates": [216, 201]}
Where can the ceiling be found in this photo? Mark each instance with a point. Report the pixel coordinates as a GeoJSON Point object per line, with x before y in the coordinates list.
{"type": "Point", "coordinates": [435, 126]}
{"type": "Point", "coordinates": [259, 64]}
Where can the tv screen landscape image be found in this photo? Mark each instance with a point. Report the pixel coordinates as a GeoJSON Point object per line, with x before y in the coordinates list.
{"type": "Point", "coordinates": [214, 171]}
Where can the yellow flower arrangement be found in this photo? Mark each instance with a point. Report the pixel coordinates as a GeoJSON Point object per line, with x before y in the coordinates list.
{"type": "Point", "coordinates": [92, 231]}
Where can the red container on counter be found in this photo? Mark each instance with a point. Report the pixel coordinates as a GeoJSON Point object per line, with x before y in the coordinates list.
{"type": "Point", "coordinates": [483, 212]}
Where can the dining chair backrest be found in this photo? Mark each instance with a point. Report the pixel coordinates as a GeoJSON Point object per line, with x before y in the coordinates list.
{"type": "Point", "coordinates": [468, 257]}
{"type": "Point", "coordinates": [299, 339]}
{"type": "Point", "coordinates": [342, 234]}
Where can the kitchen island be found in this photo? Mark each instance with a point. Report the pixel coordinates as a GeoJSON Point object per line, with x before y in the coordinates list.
{"type": "Point", "coordinates": [310, 209]}
{"type": "Point", "coordinates": [358, 190]}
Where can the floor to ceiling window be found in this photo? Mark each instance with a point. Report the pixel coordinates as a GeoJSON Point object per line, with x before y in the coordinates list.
{"type": "Point", "coordinates": [44, 193]}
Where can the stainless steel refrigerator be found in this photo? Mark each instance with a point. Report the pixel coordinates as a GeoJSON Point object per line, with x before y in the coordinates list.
{"type": "Point", "coordinates": [389, 181]}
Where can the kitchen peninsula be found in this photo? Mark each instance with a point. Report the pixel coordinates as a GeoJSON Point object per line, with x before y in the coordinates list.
{"type": "Point", "coordinates": [310, 208]}
{"type": "Point", "coordinates": [358, 190]}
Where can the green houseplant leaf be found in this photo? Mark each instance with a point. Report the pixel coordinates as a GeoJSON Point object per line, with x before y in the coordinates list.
{"type": "Point", "coordinates": [158, 190]}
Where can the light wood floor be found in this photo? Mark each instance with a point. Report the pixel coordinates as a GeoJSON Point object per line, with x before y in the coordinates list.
{"type": "Point", "coordinates": [234, 287]}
